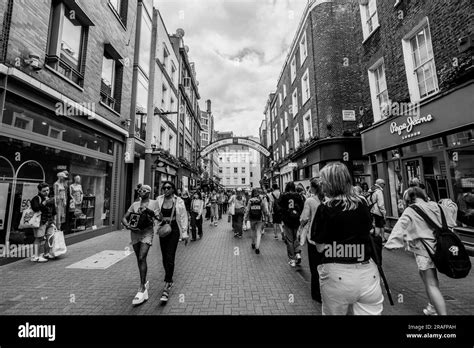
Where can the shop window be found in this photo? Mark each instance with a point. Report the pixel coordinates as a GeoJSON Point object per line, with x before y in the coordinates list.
{"type": "Point", "coordinates": [461, 138]}
{"type": "Point", "coordinates": [22, 114]}
{"type": "Point", "coordinates": [91, 176]}
{"type": "Point", "coordinates": [396, 188]}
{"type": "Point", "coordinates": [425, 146]}
{"type": "Point", "coordinates": [462, 173]}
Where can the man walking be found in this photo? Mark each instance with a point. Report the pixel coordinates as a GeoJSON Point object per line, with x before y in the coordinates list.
{"type": "Point", "coordinates": [292, 204]}
{"type": "Point", "coordinates": [377, 210]}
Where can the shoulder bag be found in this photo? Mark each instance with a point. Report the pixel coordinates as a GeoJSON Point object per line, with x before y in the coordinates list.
{"type": "Point", "coordinates": [164, 228]}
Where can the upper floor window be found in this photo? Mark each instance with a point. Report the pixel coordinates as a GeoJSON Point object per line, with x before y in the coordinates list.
{"type": "Point", "coordinates": [120, 8]}
{"type": "Point", "coordinates": [173, 73]}
{"type": "Point", "coordinates": [141, 107]}
{"type": "Point", "coordinates": [286, 119]}
{"type": "Point", "coordinates": [296, 136]}
{"type": "Point", "coordinates": [67, 41]}
{"type": "Point", "coordinates": [243, 170]}
{"type": "Point", "coordinates": [378, 89]}
{"type": "Point", "coordinates": [303, 49]}
{"type": "Point", "coordinates": [282, 126]}
{"type": "Point", "coordinates": [419, 62]}
{"type": "Point", "coordinates": [295, 102]}
{"type": "Point", "coordinates": [284, 91]}
{"type": "Point", "coordinates": [280, 98]}
{"type": "Point", "coordinates": [305, 94]}
{"type": "Point", "coordinates": [307, 126]}
{"type": "Point", "coordinates": [166, 55]}
{"type": "Point", "coordinates": [236, 170]}
{"type": "Point", "coordinates": [369, 18]}
{"type": "Point", "coordinates": [112, 72]}
{"type": "Point", "coordinates": [293, 69]}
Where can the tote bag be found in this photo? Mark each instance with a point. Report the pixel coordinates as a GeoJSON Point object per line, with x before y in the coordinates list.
{"type": "Point", "coordinates": [57, 243]}
{"type": "Point", "coordinates": [30, 219]}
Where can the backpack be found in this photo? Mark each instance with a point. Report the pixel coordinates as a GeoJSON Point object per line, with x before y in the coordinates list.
{"type": "Point", "coordinates": [255, 211]}
{"type": "Point", "coordinates": [450, 256]}
{"type": "Point", "coordinates": [293, 212]}
{"type": "Point", "coordinates": [369, 198]}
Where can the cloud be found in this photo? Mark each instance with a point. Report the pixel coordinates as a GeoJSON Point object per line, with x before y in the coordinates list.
{"type": "Point", "coordinates": [239, 47]}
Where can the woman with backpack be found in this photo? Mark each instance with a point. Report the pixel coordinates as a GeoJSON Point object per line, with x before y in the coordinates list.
{"type": "Point", "coordinates": [139, 220]}
{"type": "Point", "coordinates": [413, 230]}
{"type": "Point", "coordinates": [256, 212]}
{"type": "Point", "coordinates": [343, 223]}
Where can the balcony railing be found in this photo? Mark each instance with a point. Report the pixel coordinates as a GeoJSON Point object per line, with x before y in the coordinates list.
{"type": "Point", "coordinates": [106, 98]}
{"type": "Point", "coordinates": [64, 68]}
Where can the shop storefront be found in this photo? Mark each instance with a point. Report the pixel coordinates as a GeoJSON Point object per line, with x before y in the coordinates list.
{"type": "Point", "coordinates": [36, 145]}
{"type": "Point", "coordinates": [311, 160]}
{"type": "Point", "coordinates": [436, 146]}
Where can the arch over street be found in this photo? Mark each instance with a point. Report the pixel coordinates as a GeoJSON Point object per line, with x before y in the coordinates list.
{"type": "Point", "coordinates": [234, 141]}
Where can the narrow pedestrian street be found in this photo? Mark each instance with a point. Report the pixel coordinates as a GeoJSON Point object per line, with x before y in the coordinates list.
{"type": "Point", "coordinates": [218, 275]}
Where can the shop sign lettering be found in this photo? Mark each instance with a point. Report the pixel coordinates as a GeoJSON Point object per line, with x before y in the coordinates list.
{"type": "Point", "coordinates": [410, 123]}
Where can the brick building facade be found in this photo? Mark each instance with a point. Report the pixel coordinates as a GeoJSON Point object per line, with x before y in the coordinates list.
{"type": "Point", "coordinates": [418, 62]}
{"type": "Point", "coordinates": [65, 83]}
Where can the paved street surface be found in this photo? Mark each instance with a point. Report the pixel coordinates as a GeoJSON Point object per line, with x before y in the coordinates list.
{"type": "Point", "coordinates": [218, 275]}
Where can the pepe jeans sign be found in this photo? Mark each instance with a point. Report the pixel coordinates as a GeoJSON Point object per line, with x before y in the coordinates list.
{"type": "Point", "coordinates": [409, 126]}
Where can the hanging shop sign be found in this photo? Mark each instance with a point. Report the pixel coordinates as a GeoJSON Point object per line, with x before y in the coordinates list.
{"type": "Point", "coordinates": [409, 125]}
{"type": "Point", "coordinates": [130, 150]}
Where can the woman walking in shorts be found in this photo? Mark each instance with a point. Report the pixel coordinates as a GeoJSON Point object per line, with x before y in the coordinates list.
{"type": "Point", "coordinates": [411, 229]}
{"type": "Point", "coordinates": [142, 238]}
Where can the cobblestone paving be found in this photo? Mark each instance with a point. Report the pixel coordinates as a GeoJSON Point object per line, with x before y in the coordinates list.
{"type": "Point", "coordinates": [218, 275]}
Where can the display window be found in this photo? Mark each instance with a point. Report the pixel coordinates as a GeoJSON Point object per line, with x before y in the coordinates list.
{"type": "Point", "coordinates": [462, 174]}
{"type": "Point", "coordinates": [81, 186]}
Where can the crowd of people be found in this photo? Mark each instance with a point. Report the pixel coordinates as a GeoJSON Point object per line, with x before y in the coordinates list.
{"type": "Point", "coordinates": [339, 222]}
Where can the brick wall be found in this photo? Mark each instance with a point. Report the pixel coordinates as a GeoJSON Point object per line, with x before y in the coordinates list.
{"type": "Point", "coordinates": [448, 21]}
{"type": "Point", "coordinates": [29, 34]}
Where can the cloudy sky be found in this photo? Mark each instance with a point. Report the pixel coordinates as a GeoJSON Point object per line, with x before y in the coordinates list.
{"type": "Point", "coordinates": [239, 47]}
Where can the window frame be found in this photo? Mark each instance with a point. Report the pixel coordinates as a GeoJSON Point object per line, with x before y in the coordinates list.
{"type": "Point", "coordinates": [366, 16]}
{"type": "Point", "coordinates": [310, 125]}
{"type": "Point", "coordinates": [296, 135]}
{"type": "Point", "coordinates": [293, 69]}
{"type": "Point", "coordinates": [374, 88]}
{"type": "Point", "coordinates": [411, 69]}
{"type": "Point", "coordinates": [305, 87]}
{"type": "Point", "coordinates": [294, 102]}
{"type": "Point", "coordinates": [305, 46]}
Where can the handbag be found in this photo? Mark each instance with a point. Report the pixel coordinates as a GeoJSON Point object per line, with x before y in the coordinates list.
{"type": "Point", "coordinates": [57, 243]}
{"type": "Point", "coordinates": [164, 228]}
{"type": "Point", "coordinates": [141, 221]}
{"type": "Point", "coordinates": [30, 219]}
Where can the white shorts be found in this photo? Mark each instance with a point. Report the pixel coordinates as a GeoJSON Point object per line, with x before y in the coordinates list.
{"type": "Point", "coordinates": [424, 262]}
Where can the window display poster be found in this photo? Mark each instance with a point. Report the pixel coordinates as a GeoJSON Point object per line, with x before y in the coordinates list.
{"type": "Point", "coordinates": [3, 203]}
{"type": "Point", "coordinates": [29, 191]}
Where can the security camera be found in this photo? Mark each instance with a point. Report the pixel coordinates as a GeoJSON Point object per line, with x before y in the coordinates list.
{"type": "Point", "coordinates": [34, 62]}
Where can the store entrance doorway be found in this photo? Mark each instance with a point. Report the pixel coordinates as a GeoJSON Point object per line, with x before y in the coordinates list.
{"type": "Point", "coordinates": [431, 171]}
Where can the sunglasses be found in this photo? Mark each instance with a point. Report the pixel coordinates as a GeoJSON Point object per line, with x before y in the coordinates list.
{"type": "Point", "coordinates": [167, 188]}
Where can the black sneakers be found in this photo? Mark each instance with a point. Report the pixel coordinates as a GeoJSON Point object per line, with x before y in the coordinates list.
{"type": "Point", "coordinates": [257, 251]}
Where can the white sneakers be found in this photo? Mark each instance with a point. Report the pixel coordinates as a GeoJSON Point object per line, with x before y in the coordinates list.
{"type": "Point", "coordinates": [141, 297]}
{"type": "Point", "coordinates": [292, 263]}
{"type": "Point", "coordinates": [39, 259]}
{"type": "Point", "coordinates": [298, 258]}
{"type": "Point", "coordinates": [430, 310]}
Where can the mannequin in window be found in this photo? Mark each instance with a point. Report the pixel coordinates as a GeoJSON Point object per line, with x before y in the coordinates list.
{"type": "Point", "coordinates": [60, 198]}
{"type": "Point", "coordinates": [76, 193]}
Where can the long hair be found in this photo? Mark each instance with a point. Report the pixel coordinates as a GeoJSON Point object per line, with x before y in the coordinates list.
{"type": "Point", "coordinates": [337, 185]}
{"type": "Point", "coordinates": [316, 186]}
{"type": "Point", "coordinates": [173, 186]}
{"type": "Point", "coordinates": [290, 187]}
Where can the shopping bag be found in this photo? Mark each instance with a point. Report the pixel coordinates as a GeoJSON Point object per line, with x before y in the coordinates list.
{"type": "Point", "coordinates": [57, 243]}
{"type": "Point", "coordinates": [232, 209]}
{"type": "Point", "coordinates": [30, 219]}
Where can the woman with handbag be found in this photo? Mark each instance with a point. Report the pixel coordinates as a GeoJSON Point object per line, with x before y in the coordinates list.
{"type": "Point", "coordinates": [139, 220]}
{"type": "Point", "coordinates": [197, 208]}
{"type": "Point", "coordinates": [41, 203]}
{"type": "Point", "coordinates": [173, 219]}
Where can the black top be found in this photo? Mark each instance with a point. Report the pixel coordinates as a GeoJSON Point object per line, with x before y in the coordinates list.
{"type": "Point", "coordinates": [48, 211]}
{"type": "Point", "coordinates": [166, 212]}
{"type": "Point", "coordinates": [346, 232]}
{"type": "Point", "coordinates": [291, 200]}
